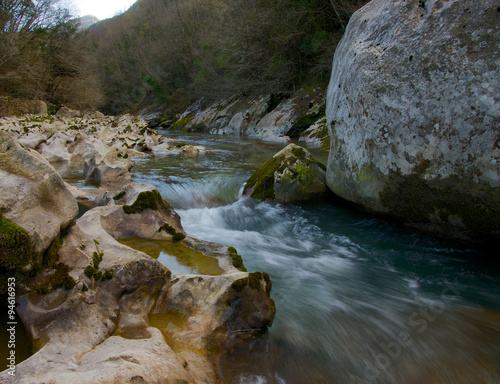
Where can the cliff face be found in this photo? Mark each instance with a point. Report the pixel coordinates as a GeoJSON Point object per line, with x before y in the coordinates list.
{"type": "Point", "coordinates": [413, 114]}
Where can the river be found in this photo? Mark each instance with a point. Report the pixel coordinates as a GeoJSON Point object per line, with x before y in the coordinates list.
{"type": "Point", "coordinates": [359, 300]}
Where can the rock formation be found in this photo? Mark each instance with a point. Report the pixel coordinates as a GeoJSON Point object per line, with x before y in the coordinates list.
{"type": "Point", "coordinates": [414, 117]}
{"type": "Point", "coordinates": [270, 117]}
{"type": "Point", "coordinates": [100, 311]}
{"type": "Point", "coordinates": [291, 175]}
{"type": "Point", "coordinates": [33, 195]}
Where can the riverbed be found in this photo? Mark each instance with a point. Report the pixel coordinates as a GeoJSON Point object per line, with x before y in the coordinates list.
{"type": "Point", "coordinates": [359, 299]}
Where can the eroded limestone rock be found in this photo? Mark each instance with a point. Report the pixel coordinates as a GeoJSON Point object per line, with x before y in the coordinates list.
{"type": "Point", "coordinates": [33, 195]}
{"type": "Point", "coordinates": [414, 116]}
{"type": "Point", "coordinates": [113, 324]}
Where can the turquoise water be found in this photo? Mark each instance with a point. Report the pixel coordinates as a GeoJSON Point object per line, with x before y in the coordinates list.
{"type": "Point", "coordinates": [359, 300]}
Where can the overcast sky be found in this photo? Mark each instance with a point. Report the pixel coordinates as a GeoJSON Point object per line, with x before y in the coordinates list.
{"type": "Point", "coordinates": [102, 9]}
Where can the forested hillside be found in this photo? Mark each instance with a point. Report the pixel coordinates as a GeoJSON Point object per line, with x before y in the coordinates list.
{"type": "Point", "coordinates": [42, 55]}
{"type": "Point", "coordinates": [168, 52]}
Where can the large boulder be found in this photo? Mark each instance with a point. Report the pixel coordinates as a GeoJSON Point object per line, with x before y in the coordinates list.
{"type": "Point", "coordinates": [33, 195]}
{"type": "Point", "coordinates": [289, 176]}
{"type": "Point", "coordinates": [414, 117]}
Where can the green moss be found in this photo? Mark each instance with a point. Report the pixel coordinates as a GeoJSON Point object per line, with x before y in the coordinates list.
{"type": "Point", "coordinates": [178, 236]}
{"type": "Point", "coordinates": [92, 271]}
{"type": "Point", "coordinates": [366, 173]}
{"type": "Point", "coordinates": [119, 195]}
{"type": "Point", "coordinates": [262, 180]}
{"type": "Point", "coordinates": [51, 254]}
{"type": "Point", "coordinates": [304, 122]}
{"type": "Point", "coordinates": [255, 280]}
{"type": "Point", "coordinates": [237, 260]}
{"type": "Point", "coordinates": [272, 313]}
{"type": "Point", "coordinates": [167, 228]}
{"type": "Point", "coordinates": [412, 198]}
{"type": "Point", "coordinates": [17, 256]}
{"type": "Point", "coordinates": [59, 278]}
{"type": "Point", "coordinates": [299, 152]}
{"type": "Point", "coordinates": [269, 284]}
{"type": "Point", "coordinates": [182, 123]}
{"type": "Point", "coordinates": [108, 274]}
{"type": "Point", "coordinates": [304, 174]}
{"type": "Point", "coordinates": [146, 200]}
{"type": "Point", "coordinates": [240, 285]}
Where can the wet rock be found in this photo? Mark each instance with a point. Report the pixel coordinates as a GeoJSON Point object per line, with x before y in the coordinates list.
{"type": "Point", "coordinates": [415, 130]}
{"type": "Point", "coordinates": [291, 175]}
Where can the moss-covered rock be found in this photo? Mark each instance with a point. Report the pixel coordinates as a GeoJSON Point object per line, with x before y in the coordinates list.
{"type": "Point", "coordinates": [17, 257]}
{"type": "Point", "coordinates": [290, 175]}
{"type": "Point", "coordinates": [146, 200]}
{"type": "Point", "coordinates": [237, 260]}
{"type": "Point", "coordinates": [305, 121]}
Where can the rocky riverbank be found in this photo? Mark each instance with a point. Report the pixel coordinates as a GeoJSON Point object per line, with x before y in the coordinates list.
{"type": "Point", "coordinates": [98, 310]}
{"type": "Point", "coordinates": [277, 117]}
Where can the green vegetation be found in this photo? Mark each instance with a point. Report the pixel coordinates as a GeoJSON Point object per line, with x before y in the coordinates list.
{"type": "Point", "coordinates": [146, 200]}
{"type": "Point", "coordinates": [119, 195]}
{"type": "Point", "coordinates": [304, 122]}
{"type": "Point", "coordinates": [59, 278]}
{"type": "Point", "coordinates": [167, 228]}
{"type": "Point", "coordinates": [237, 260]}
{"type": "Point", "coordinates": [262, 180]}
{"type": "Point", "coordinates": [261, 183]}
{"type": "Point", "coordinates": [176, 236]}
{"type": "Point", "coordinates": [240, 285]}
{"type": "Point", "coordinates": [216, 50]}
{"type": "Point", "coordinates": [92, 271]}
{"type": "Point", "coordinates": [42, 56]}
{"type": "Point", "coordinates": [17, 257]}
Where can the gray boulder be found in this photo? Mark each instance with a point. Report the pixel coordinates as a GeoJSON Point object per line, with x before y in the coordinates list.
{"type": "Point", "coordinates": [414, 117]}
{"type": "Point", "coordinates": [67, 113]}
{"type": "Point", "coordinates": [290, 175]}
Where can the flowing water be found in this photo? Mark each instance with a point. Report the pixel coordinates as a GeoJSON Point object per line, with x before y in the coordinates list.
{"type": "Point", "coordinates": [358, 300]}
